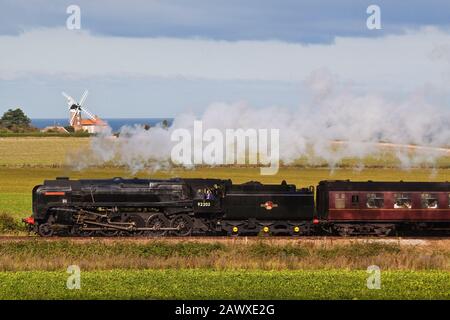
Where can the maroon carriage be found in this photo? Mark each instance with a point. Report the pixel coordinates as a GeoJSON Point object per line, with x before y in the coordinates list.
{"type": "Point", "coordinates": [380, 208]}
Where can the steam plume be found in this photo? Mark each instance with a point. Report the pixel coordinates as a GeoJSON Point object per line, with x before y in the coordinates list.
{"type": "Point", "coordinates": [337, 124]}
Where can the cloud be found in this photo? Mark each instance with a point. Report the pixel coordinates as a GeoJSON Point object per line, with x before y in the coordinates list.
{"type": "Point", "coordinates": [317, 21]}
{"type": "Point", "coordinates": [396, 60]}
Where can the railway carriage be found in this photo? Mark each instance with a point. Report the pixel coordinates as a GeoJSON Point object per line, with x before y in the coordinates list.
{"type": "Point", "coordinates": [382, 208]}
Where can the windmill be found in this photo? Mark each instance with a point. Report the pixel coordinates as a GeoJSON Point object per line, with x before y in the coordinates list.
{"type": "Point", "coordinates": [92, 125]}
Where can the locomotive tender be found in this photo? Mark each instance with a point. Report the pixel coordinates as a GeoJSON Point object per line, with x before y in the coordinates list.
{"type": "Point", "coordinates": [183, 207]}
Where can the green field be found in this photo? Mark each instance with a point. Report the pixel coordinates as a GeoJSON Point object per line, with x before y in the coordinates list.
{"type": "Point", "coordinates": [259, 269]}
{"type": "Point", "coordinates": [209, 284]}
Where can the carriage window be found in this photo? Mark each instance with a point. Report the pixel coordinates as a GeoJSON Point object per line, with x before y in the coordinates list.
{"type": "Point", "coordinates": [429, 201]}
{"type": "Point", "coordinates": [355, 200]}
{"type": "Point", "coordinates": [339, 200]}
{"type": "Point", "coordinates": [402, 201]}
{"type": "Point", "coordinates": [375, 200]}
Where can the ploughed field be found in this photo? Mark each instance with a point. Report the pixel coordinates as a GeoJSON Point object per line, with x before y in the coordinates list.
{"type": "Point", "coordinates": [254, 268]}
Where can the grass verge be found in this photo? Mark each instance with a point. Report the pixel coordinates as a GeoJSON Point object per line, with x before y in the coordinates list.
{"type": "Point", "coordinates": [38, 254]}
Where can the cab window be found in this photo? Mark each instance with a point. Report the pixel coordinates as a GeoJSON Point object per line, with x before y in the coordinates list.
{"type": "Point", "coordinates": [429, 201]}
{"type": "Point", "coordinates": [402, 201]}
{"type": "Point", "coordinates": [375, 200]}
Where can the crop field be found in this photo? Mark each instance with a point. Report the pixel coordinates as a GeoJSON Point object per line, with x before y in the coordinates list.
{"type": "Point", "coordinates": [236, 284]}
{"type": "Point", "coordinates": [230, 269]}
{"type": "Point", "coordinates": [210, 269]}
{"type": "Point", "coordinates": [38, 151]}
{"type": "Point", "coordinates": [55, 151]}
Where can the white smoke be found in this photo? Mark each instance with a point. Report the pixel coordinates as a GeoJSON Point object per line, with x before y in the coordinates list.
{"type": "Point", "coordinates": [337, 124]}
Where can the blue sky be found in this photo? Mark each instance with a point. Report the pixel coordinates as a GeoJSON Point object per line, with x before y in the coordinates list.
{"type": "Point", "coordinates": [163, 58]}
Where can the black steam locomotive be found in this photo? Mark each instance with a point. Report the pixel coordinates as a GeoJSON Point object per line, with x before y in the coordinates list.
{"type": "Point", "coordinates": [183, 207]}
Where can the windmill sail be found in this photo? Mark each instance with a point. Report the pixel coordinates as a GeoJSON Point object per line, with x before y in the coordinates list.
{"type": "Point", "coordinates": [92, 125]}
{"type": "Point", "coordinates": [83, 98]}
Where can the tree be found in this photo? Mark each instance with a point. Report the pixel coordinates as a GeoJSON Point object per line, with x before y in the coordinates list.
{"type": "Point", "coordinates": [15, 120]}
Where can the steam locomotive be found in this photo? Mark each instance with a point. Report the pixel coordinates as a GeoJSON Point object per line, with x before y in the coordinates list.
{"type": "Point", "coordinates": [183, 207]}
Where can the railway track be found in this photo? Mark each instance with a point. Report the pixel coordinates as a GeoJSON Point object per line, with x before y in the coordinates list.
{"type": "Point", "coordinates": [317, 239]}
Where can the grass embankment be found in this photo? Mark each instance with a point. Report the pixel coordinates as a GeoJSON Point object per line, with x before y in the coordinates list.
{"type": "Point", "coordinates": [208, 284]}
{"type": "Point", "coordinates": [254, 254]}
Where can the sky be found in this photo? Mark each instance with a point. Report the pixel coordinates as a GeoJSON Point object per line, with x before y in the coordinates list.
{"type": "Point", "coordinates": [163, 58]}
